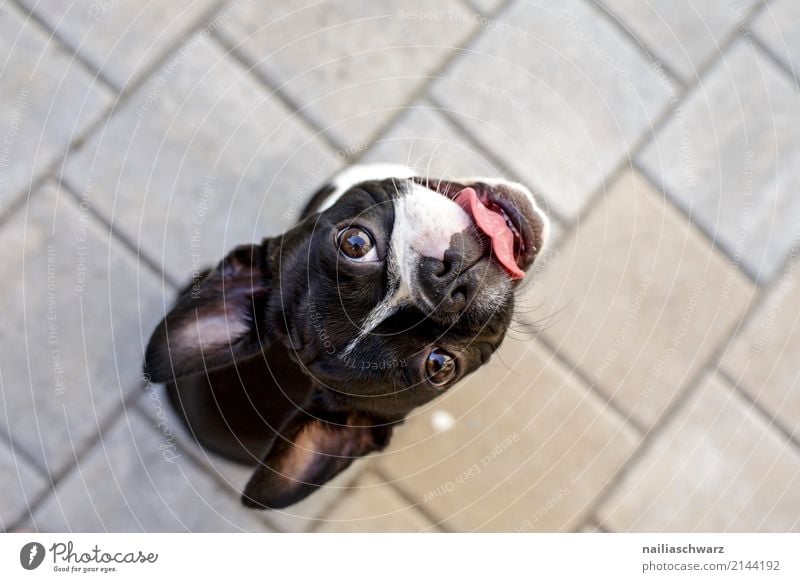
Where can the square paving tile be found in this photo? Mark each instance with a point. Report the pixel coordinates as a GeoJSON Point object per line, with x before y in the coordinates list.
{"type": "Point", "coordinates": [763, 359]}
{"type": "Point", "coordinates": [731, 157]}
{"type": "Point", "coordinates": [349, 63]}
{"type": "Point", "coordinates": [121, 39]}
{"type": "Point", "coordinates": [558, 94]}
{"type": "Point", "coordinates": [718, 467]}
{"type": "Point", "coordinates": [520, 445]}
{"type": "Point", "coordinates": [297, 518]}
{"type": "Point", "coordinates": [48, 100]}
{"type": "Point", "coordinates": [638, 299]}
{"type": "Point", "coordinates": [21, 485]}
{"type": "Point", "coordinates": [199, 160]}
{"type": "Point", "coordinates": [686, 34]}
{"type": "Point", "coordinates": [129, 484]}
{"type": "Point", "coordinates": [373, 506]}
{"type": "Point", "coordinates": [778, 27]}
{"type": "Point", "coordinates": [77, 311]}
{"type": "Point", "coordinates": [424, 140]}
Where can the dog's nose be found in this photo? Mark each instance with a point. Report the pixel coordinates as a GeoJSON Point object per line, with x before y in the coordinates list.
{"type": "Point", "coordinates": [447, 283]}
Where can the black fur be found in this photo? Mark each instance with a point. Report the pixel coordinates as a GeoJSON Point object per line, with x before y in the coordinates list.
{"type": "Point", "coordinates": [254, 353]}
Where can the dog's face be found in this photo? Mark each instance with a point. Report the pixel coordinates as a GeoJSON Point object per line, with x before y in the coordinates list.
{"type": "Point", "coordinates": [397, 288]}
{"type": "Point", "coordinates": [404, 295]}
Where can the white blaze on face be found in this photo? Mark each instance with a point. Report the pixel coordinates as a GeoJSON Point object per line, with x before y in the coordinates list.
{"type": "Point", "coordinates": [424, 222]}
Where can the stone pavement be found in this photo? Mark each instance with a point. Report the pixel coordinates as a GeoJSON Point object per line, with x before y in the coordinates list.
{"type": "Point", "coordinates": [651, 379]}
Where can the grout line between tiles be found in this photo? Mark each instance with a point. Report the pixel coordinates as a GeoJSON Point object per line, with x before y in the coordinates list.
{"type": "Point", "coordinates": [423, 91]}
{"type": "Point", "coordinates": [65, 47]}
{"type": "Point", "coordinates": [714, 242]}
{"type": "Point", "coordinates": [105, 425]}
{"type": "Point", "coordinates": [19, 199]}
{"type": "Point", "coordinates": [592, 387]}
{"type": "Point", "coordinates": [198, 464]}
{"type": "Point", "coordinates": [18, 451]}
{"type": "Point", "coordinates": [713, 365]}
{"type": "Point", "coordinates": [409, 498]}
{"type": "Point", "coordinates": [147, 71]}
{"type": "Point", "coordinates": [767, 52]}
{"type": "Point", "coordinates": [642, 448]}
{"type": "Point", "coordinates": [710, 366]}
{"type": "Point", "coordinates": [135, 250]}
{"type": "Point", "coordinates": [52, 171]}
{"type": "Point", "coordinates": [130, 88]}
{"type": "Point", "coordinates": [601, 528]}
{"type": "Point", "coordinates": [595, 521]}
{"type": "Point", "coordinates": [592, 201]}
{"type": "Point", "coordinates": [189, 445]}
{"type": "Point", "coordinates": [502, 168]}
{"type": "Point", "coordinates": [206, 17]}
{"type": "Point", "coordinates": [273, 86]}
{"type": "Point", "coordinates": [616, 21]}
{"type": "Point", "coordinates": [590, 521]}
{"type": "Point", "coordinates": [761, 293]}
{"type": "Point", "coordinates": [594, 198]}
{"type": "Point", "coordinates": [662, 119]}
{"type": "Point", "coordinates": [773, 422]}
{"type": "Point", "coordinates": [328, 507]}
{"type": "Point", "coordinates": [650, 436]}
{"type": "Point", "coordinates": [365, 472]}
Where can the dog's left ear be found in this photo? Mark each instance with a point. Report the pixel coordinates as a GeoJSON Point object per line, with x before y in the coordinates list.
{"type": "Point", "coordinates": [312, 448]}
{"type": "Point", "coordinates": [215, 321]}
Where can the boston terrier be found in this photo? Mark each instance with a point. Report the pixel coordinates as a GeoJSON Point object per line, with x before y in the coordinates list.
{"type": "Point", "coordinates": [302, 353]}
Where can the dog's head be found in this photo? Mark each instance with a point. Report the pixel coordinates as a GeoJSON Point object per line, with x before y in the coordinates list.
{"type": "Point", "coordinates": [393, 290]}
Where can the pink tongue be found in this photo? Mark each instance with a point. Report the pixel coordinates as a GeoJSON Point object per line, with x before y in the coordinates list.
{"type": "Point", "coordinates": [494, 226]}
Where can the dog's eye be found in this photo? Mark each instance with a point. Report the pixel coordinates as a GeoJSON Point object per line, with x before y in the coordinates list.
{"type": "Point", "coordinates": [356, 244]}
{"type": "Point", "coordinates": [440, 367]}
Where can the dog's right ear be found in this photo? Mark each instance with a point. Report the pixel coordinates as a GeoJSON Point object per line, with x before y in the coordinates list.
{"type": "Point", "coordinates": [215, 321]}
{"type": "Point", "coordinates": [314, 445]}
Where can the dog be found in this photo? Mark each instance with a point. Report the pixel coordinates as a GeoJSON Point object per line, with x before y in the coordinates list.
{"type": "Point", "coordinates": [304, 352]}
